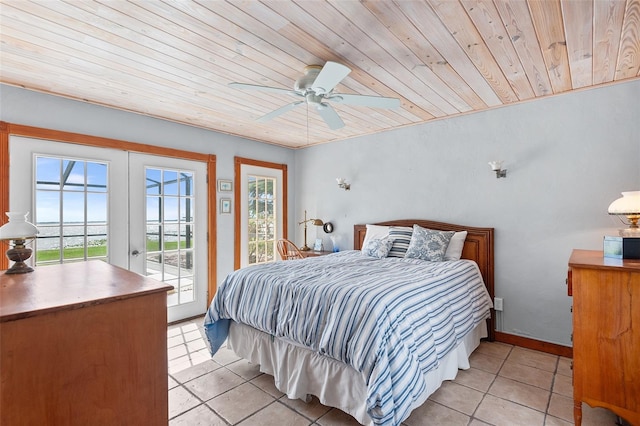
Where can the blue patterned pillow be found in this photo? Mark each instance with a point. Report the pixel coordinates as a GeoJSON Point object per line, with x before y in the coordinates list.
{"type": "Point", "coordinates": [401, 237]}
{"type": "Point", "coordinates": [428, 244]}
{"type": "Point", "coordinates": [377, 247]}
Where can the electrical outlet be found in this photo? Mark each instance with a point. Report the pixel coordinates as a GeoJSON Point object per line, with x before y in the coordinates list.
{"type": "Point", "coordinates": [497, 303]}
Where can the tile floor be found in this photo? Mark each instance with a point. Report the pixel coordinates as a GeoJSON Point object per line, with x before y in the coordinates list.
{"type": "Point", "coordinates": [506, 385]}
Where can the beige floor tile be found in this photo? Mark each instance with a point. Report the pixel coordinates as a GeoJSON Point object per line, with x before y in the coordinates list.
{"type": "Point", "coordinates": [496, 349]}
{"type": "Point", "coordinates": [213, 384]}
{"type": "Point", "coordinates": [199, 416]}
{"type": "Point", "coordinates": [173, 331]}
{"type": "Point", "coordinates": [458, 397]}
{"type": "Point", "coordinates": [312, 409]}
{"type": "Point", "coordinates": [476, 422]}
{"type": "Point", "coordinates": [196, 371]}
{"type": "Point", "coordinates": [565, 367]}
{"type": "Point", "coordinates": [276, 414]}
{"type": "Point", "coordinates": [431, 413]}
{"type": "Point", "coordinates": [196, 345]}
{"type": "Point", "coordinates": [554, 421]}
{"type": "Point", "coordinates": [487, 363]}
{"type": "Point", "coordinates": [179, 364]}
{"type": "Point", "coordinates": [200, 356]}
{"type": "Point", "coordinates": [245, 369]}
{"type": "Point", "coordinates": [193, 335]}
{"type": "Point", "coordinates": [336, 417]}
{"type": "Point", "coordinates": [177, 351]}
{"type": "Point", "coordinates": [172, 383]}
{"type": "Point", "coordinates": [180, 400]}
{"type": "Point", "coordinates": [240, 402]}
{"type": "Point", "coordinates": [266, 383]}
{"type": "Point", "coordinates": [225, 356]}
{"type": "Point", "coordinates": [175, 341]}
{"type": "Point", "coordinates": [475, 378]}
{"type": "Point", "coordinates": [500, 412]}
{"type": "Point", "coordinates": [521, 393]}
{"type": "Point", "coordinates": [561, 407]}
{"type": "Point", "coordinates": [529, 375]}
{"type": "Point", "coordinates": [563, 385]}
{"type": "Point", "coordinates": [534, 359]}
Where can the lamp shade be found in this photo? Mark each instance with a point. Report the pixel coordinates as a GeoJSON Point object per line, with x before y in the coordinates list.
{"type": "Point", "coordinates": [628, 204]}
{"type": "Point", "coordinates": [17, 228]}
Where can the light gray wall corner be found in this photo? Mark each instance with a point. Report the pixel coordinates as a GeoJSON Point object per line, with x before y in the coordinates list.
{"type": "Point", "coordinates": [568, 157]}
{"type": "Point", "coordinates": [31, 108]}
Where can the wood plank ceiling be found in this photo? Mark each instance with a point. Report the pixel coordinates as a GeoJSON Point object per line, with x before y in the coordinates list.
{"type": "Point", "coordinates": [441, 58]}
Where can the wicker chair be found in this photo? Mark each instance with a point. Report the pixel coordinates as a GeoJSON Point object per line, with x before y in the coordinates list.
{"type": "Point", "coordinates": [288, 250]}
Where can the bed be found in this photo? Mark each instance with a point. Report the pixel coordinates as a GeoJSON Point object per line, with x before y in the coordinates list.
{"type": "Point", "coordinates": [371, 336]}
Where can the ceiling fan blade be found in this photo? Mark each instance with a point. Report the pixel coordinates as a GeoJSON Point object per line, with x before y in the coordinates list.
{"type": "Point", "coordinates": [244, 86]}
{"type": "Point", "coordinates": [369, 101]}
{"type": "Point", "coordinates": [330, 75]}
{"type": "Point", "coordinates": [279, 111]}
{"type": "Point", "coordinates": [330, 116]}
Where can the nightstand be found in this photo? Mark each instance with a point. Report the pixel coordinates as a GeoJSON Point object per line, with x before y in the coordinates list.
{"type": "Point", "coordinates": [606, 333]}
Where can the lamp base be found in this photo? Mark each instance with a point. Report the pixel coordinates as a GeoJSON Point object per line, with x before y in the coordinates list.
{"type": "Point", "coordinates": [18, 254]}
{"type": "Point", "coordinates": [19, 268]}
{"type": "Point", "coordinates": [305, 248]}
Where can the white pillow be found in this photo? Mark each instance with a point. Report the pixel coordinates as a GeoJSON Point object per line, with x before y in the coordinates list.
{"type": "Point", "coordinates": [375, 232]}
{"type": "Point", "coordinates": [454, 249]}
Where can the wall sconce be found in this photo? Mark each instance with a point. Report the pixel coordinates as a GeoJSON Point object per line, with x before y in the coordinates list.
{"type": "Point", "coordinates": [496, 166]}
{"type": "Point", "coordinates": [629, 206]}
{"type": "Point", "coordinates": [342, 183]}
{"type": "Point", "coordinates": [316, 222]}
{"type": "Point", "coordinates": [18, 230]}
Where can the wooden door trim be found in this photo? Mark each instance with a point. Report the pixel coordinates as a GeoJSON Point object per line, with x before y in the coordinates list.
{"type": "Point", "coordinates": [239, 162]}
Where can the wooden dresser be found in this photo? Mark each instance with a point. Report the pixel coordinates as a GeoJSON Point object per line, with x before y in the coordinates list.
{"type": "Point", "coordinates": [83, 344]}
{"type": "Point", "coordinates": [606, 333]}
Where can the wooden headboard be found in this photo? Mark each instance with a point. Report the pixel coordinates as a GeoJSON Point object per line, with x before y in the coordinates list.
{"type": "Point", "coordinates": [477, 247]}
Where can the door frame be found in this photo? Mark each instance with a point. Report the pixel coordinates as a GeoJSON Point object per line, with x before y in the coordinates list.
{"type": "Point", "coordinates": [239, 162]}
{"type": "Point", "coordinates": [8, 129]}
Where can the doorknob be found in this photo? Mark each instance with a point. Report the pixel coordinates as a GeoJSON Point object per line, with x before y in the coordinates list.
{"type": "Point", "coordinates": [135, 253]}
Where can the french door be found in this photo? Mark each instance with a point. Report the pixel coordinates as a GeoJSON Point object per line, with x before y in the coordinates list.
{"type": "Point", "coordinates": [140, 212]}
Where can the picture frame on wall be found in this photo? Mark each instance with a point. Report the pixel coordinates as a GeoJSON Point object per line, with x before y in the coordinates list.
{"type": "Point", "coordinates": [225, 185]}
{"type": "Point", "coordinates": [225, 205]}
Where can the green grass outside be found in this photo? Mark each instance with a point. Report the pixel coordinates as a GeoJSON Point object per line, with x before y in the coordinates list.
{"type": "Point", "coordinates": [97, 251]}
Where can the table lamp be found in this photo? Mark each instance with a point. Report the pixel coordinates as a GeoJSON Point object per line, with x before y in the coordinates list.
{"type": "Point", "coordinates": [628, 205]}
{"type": "Point", "coordinates": [316, 222]}
{"type": "Point", "coordinates": [18, 230]}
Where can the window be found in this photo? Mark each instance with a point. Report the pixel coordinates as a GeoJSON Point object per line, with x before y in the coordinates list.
{"type": "Point", "coordinates": [170, 231]}
{"type": "Point", "coordinates": [70, 210]}
{"type": "Point", "coordinates": [262, 219]}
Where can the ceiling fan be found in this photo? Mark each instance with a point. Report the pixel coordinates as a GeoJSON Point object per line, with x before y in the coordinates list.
{"type": "Point", "coordinates": [316, 86]}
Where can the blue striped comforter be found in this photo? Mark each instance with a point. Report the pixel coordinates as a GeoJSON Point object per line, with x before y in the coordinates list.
{"type": "Point", "coordinates": [391, 319]}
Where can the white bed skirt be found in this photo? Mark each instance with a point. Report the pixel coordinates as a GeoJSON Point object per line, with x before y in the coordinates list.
{"type": "Point", "coordinates": [299, 372]}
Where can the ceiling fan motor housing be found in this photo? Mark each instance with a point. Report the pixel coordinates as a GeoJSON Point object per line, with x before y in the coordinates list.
{"type": "Point", "coordinates": [304, 83]}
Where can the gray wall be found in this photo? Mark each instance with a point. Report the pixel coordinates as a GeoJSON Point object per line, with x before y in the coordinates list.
{"type": "Point", "coordinates": [36, 109]}
{"type": "Point", "coordinates": [568, 157]}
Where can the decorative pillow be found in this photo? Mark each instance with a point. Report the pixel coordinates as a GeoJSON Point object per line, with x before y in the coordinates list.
{"type": "Point", "coordinates": [377, 248]}
{"type": "Point", "coordinates": [454, 249]}
{"type": "Point", "coordinates": [401, 236]}
{"type": "Point", "coordinates": [375, 232]}
{"type": "Point", "coordinates": [428, 244]}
